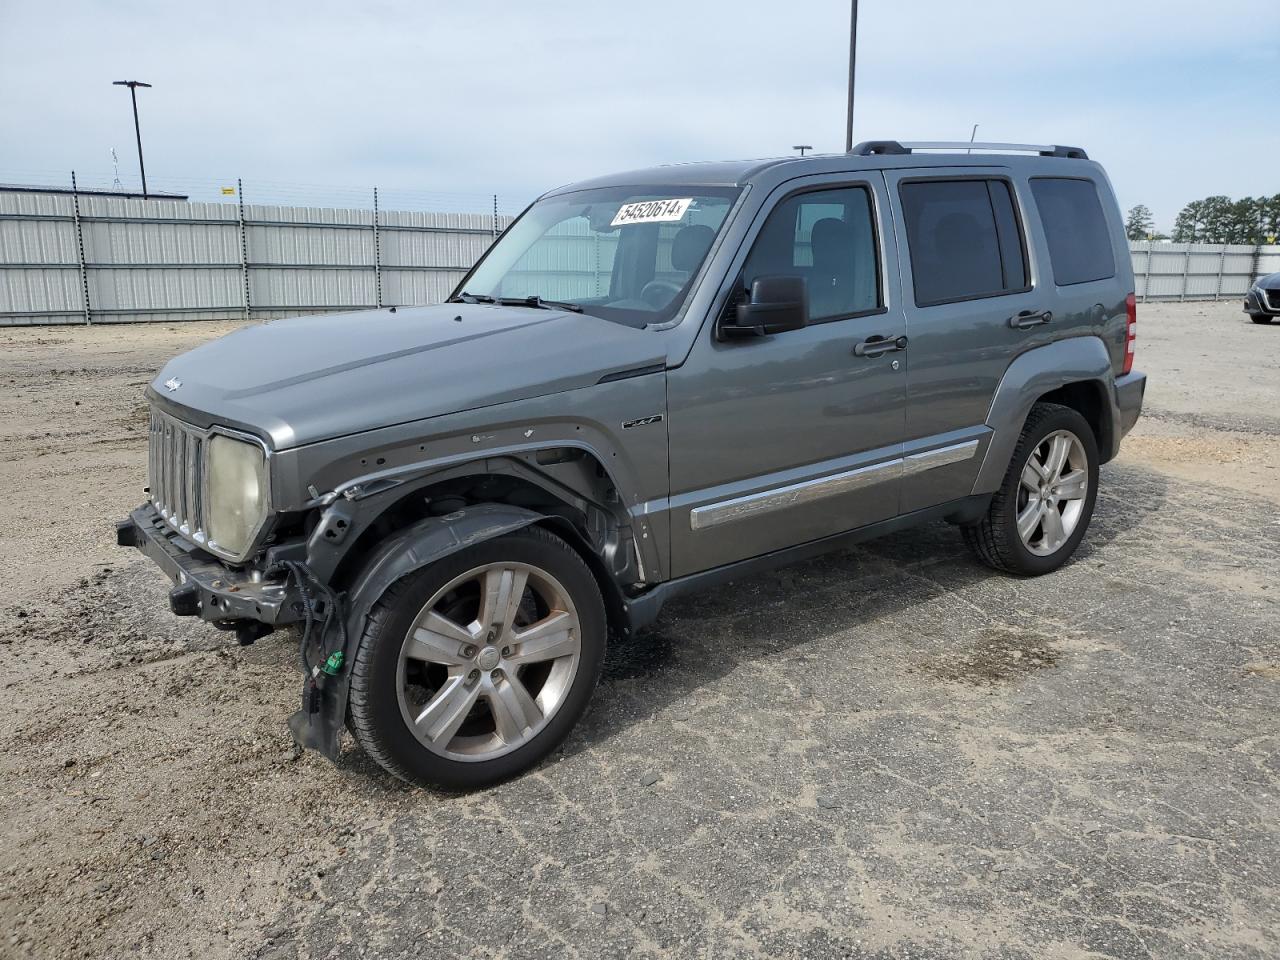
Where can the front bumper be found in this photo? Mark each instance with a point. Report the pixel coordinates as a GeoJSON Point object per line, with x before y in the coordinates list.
{"type": "Point", "coordinates": [1130, 389]}
{"type": "Point", "coordinates": [203, 585]}
{"type": "Point", "coordinates": [1255, 302]}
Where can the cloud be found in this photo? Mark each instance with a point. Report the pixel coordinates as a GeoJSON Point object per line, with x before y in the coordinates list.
{"type": "Point", "coordinates": [516, 97]}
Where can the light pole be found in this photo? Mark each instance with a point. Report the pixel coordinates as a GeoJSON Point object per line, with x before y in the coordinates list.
{"type": "Point", "coordinates": [853, 59]}
{"type": "Point", "coordinates": [802, 147]}
{"type": "Point", "coordinates": [133, 86]}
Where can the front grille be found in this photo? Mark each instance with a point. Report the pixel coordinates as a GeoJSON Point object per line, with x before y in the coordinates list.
{"type": "Point", "coordinates": [1273, 298]}
{"type": "Point", "coordinates": [175, 472]}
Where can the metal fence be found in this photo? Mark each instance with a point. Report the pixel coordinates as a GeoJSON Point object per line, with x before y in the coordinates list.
{"type": "Point", "coordinates": [1199, 271]}
{"type": "Point", "coordinates": [82, 258]}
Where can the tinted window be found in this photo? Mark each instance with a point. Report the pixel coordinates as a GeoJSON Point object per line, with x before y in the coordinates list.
{"type": "Point", "coordinates": [1074, 226]}
{"type": "Point", "coordinates": [964, 239]}
{"type": "Point", "coordinates": [826, 237]}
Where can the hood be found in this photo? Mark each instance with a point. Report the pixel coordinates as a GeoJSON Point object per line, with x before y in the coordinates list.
{"type": "Point", "coordinates": [1270, 282]}
{"type": "Point", "coordinates": [306, 379]}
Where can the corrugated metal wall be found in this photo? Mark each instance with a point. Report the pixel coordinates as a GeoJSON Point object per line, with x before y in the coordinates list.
{"type": "Point", "coordinates": [1199, 271]}
{"type": "Point", "coordinates": [139, 260]}
{"type": "Point", "coordinates": [142, 260]}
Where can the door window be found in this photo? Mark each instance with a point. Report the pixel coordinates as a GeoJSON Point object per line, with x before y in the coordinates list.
{"type": "Point", "coordinates": [964, 239]}
{"type": "Point", "coordinates": [1075, 228]}
{"type": "Point", "coordinates": [828, 237]}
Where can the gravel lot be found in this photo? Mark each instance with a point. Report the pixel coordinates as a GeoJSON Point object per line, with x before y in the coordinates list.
{"type": "Point", "coordinates": [890, 752]}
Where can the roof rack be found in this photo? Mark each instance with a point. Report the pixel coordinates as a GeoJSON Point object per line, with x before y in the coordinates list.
{"type": "Point", "coordinates": [894, 148]}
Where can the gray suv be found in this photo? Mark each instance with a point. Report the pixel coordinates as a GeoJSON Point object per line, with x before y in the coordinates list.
{"type": "Point", "coordinates": [651, 383]}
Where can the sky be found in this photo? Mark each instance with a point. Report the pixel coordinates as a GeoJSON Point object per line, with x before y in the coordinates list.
{"type": "Point", "coordinates": [462, 100]}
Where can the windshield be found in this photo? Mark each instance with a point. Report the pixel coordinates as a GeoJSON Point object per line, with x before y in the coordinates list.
{"type": "Point", "coordinates": [627, 254]}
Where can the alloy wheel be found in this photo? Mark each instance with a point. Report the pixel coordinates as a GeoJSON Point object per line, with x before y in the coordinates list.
{"type": "Point", "coordinates": [488, 661]}
{"type": "Point", "coordinates": [1052, 491]}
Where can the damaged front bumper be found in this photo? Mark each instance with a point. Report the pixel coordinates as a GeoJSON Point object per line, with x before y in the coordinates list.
{"type": "Point", "coordinates": [205, 587]}
{"type": "Point", "coordinates": [253, 603]}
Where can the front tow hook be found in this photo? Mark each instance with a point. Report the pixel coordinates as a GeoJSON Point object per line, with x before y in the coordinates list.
{"type": "Point", "coordinates": [126, 534]}
{"type": "Point", "coordinates": [184, 600]}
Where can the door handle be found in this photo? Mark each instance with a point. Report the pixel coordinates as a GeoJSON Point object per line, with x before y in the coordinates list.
{"type": "Point", "coordinates": [875, 346]}
{"type": "Point", "coordinates": [1030, 318]}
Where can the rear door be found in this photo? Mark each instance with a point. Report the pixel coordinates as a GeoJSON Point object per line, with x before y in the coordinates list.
{"type": "Point", "coordinates": [971, 303]}
{"type": "Point", "coordinates": [783, 439]}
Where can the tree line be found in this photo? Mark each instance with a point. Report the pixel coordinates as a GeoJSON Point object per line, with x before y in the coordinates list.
{"type": "Point", "coordinates": [1250, 220]}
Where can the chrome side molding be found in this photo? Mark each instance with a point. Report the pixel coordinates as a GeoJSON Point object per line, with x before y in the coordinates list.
{"type": "Point", "coordinates": [778, 498]}
{"type": "Point", "coordinates": [954, 453]}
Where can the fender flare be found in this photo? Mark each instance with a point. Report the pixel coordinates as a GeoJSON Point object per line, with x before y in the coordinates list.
{"type": "Point", "coordinates": [425, 542]}
{"type": "Point", "coordinates": [347, 517]}
{"type": "Point", "coordinates": [1030, 376]}
{"type": "Point", "coordinates": [319, 726]}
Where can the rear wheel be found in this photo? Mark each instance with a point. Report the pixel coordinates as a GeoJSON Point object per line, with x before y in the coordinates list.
{"type": "Point", "coordinates": [1041, 512]}
{"type": "Point", "coordinates": [1259, 318]}
{"type": "Point", "coordinates": [475, 668]}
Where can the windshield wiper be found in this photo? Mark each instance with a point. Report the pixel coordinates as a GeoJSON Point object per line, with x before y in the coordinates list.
{"type": "Point", "coordinates": [540, 303]}
{"type": "Point", "coordinates": [465, 297]}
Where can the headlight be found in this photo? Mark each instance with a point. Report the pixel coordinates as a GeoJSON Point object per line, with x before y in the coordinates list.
{"type": "Point", "coordinates": [236, 492]}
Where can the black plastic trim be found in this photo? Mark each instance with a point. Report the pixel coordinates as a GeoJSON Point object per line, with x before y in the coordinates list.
{"type": "Point", "coordinates": [874, 148]}
{"type": "Point", "coordinates": [634, 372]}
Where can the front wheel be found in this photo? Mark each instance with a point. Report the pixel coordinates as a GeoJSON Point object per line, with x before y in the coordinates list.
{"type": "Point", "coordinates": [1259, 318]}
{"type": "Point", "coordinates": [474, 668]}
{"type": "Point", "coordinates": [1040, 513]}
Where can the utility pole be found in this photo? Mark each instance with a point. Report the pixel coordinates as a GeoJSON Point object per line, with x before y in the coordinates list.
{"type": "Point", "coordinates": [133, 86]}
{"type": "Point", "coordinates": [853, 59]}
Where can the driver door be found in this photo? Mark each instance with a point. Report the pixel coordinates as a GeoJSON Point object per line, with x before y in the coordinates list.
{"type": "Point", "coordinates": [779, 440]}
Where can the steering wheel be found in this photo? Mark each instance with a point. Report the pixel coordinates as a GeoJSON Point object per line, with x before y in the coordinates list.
{"type": "Point", "coordinates": [658, 293]}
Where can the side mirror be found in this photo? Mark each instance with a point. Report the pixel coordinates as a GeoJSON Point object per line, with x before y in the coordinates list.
{"type": "Point", "coordinates": [777, 304]}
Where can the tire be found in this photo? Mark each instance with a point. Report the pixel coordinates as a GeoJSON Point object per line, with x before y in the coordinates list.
{"type": "Point", "coordinates": [996, 538]}
{"type": "Point", "coordinates": [511, 695]}
{"type": "Point", "coordinates": [1259, 318]}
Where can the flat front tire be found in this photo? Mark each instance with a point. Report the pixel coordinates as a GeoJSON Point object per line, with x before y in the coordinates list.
{"type": "Point", "coordinates": [476, 667]}
{"type": "Point", "coordinates": [1043, 507]}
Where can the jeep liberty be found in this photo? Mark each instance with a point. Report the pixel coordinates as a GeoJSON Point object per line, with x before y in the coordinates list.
{"type": "Point", "coordinates": [651, 383]}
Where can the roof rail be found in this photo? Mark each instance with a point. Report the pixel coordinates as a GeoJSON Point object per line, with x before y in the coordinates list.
{"type": "Point", "coordinates": [894, 148]}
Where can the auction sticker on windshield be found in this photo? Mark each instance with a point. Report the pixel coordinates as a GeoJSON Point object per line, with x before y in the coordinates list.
{"type": "Point", "coordinates": [651, 211]}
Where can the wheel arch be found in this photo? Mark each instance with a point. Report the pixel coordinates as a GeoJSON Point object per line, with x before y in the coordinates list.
{"type": "Point", "coordinates": [1076, 373]}
{"type": "Point", "coordinates": [434, 538]}
{"type": "Point", "coordinates": [360, 547]}
{"type": "Point", "coordinates": [409, 550]}
{"type": "Point", "coordinates": [569, 484]}
{"type": "Point", "coordinates": [1089, 399]}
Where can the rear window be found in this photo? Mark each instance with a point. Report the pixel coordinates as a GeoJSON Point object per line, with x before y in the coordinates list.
{"type": "Point", "coordinates": [1075, 228]}
{"type": "Point", "coordinates": [964, 239]}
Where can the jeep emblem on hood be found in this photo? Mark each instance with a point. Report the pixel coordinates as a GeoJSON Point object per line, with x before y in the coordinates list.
{"type": "Point", "coordinates": [172, 384]}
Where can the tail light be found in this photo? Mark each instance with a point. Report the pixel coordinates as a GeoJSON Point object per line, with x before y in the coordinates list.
{"type": "Point", "coordinates": [1130, 331]}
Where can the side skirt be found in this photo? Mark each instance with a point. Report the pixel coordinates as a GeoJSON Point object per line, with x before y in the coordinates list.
{"type": "Point", "coordinates": [644, 609]}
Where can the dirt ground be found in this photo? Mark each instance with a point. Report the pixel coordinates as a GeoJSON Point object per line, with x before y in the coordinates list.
{"type": "Point", "coordinates": [889, 753]}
